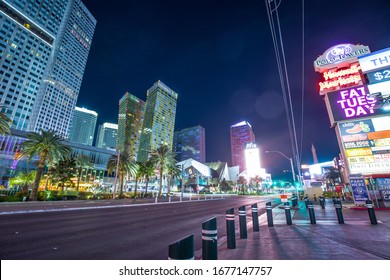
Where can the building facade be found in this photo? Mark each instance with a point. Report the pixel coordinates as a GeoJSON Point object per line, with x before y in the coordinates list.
{"type": "Point", "coordinates": [130, 118]}
{"type": "Point", "coordinates": [83, 126]}
{"type": "Point", "coordinates": [44, 47]}
{"type": "Point", "coordinates": [107, 136]}
{"type": "Point", "coordinates": [240, 134]}
{"type": "Point", "coordinates": [159, 121]}
{"type": "Point", "coordinates": [190, 143]}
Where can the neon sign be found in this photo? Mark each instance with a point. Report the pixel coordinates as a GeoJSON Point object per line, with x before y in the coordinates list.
{"type": "Point", "coordinates": [339, 56]}
{"type": "Point", "coordinates": [334, 79]}
{"type": "Point", "coordinates": [351, 103]}
{"type": "Point", "coordinates": [355, 102]}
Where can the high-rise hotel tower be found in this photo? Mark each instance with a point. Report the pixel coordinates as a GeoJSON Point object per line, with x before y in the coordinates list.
{"type": "Point", "coordinates": [159, 120]}
{"type": "Point", "coordinates": [190, 143]}
{"type": "Point", "coordinates": [107, 136]}
{"type": "Point", "coordinates": [131, 114]}
{"type": "Point", "coordinates": [82, 128]}
{"type": "Point", "coordinates": [240, 134]}
{"type": "Point", "coordinates": [44, 47]}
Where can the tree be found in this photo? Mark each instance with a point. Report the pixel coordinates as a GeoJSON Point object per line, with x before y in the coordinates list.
{"type": "Point", "coordinates": [242, 182]}
{"type": "Point", "coordinates": [147, 170]}
{"type": "Point", "coordinates": [138, 174]}
{"type": "Point", "coordinates": [49, 147]}
{"type": "Point", "coordinates": [24, 179]}
{"type": "Point", "coordinates": [173, 171]}
{"type": "Point", "coordinates": [5, 123]}
{"type": "Point", "coordinates": [162, 157]}
{"type": "Point", "coordinates": [330, 175]}
{"type": "Point", "coordinates": [82, 161]}
{"type": "Point", "coordinates": [225, 186]}
{"type": "Point", "coordinates": [64, 171]}
{"type": "Point", "coordinates": [126, 165]}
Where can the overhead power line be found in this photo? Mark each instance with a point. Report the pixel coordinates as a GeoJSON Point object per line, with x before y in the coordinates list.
{"type": "Point", "coordinates": [277, 39]}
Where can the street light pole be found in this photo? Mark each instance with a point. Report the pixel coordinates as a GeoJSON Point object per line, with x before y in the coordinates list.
{"type": "Point", "coordinates": [182, 180]}
{"type": "Point", "coordinates": [291, 163]}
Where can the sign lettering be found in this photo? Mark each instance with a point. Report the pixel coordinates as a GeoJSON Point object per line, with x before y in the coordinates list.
{"type": "Point", "coordinates": [334, 79]}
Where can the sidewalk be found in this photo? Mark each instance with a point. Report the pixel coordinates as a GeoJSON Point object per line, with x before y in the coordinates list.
{"type": "Point", "coordinates": [356, 239]}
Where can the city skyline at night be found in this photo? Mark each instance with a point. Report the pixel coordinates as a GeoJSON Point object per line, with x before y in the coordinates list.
{"type": "Point", "coordinates": [220, 59]}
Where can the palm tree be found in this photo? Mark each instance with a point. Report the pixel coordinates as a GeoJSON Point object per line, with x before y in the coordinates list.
{"type": "Point", "coordinates": [242, 182]}
{"type": "Point", "coordinates": [5, 123]}
{"type": "Point", "coordinates": [126, 164]}
{"type": "Point", "coordinates": [49, 147]}
{"type": "Point", "coordinates": [138, 174]}
{"type": "Point", "coordinates": [82, 161]}
{"type": "Point", "coordinates": [331, 175]}
{"type": "Point", "coordinates": [63, 172]}
{"type": "Point", "coordinates": [23, 179]}
{"type": "Point", "coordinates": [172, 170]}
{"type": "Point", "coordinates": [147, 170]}
{"type": "Point", "coordinates": [162, 157]}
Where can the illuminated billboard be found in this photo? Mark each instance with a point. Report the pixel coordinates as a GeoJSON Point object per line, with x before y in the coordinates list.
{"type": "Point", "coordinates": [339, 56]}
{"type": "Point", "coordinates": [375, 60]}
{"type": "Point", "coordinates": [340, 78]}
{"type": "Point", "coordinates": [252, 160]}
{"type": "Point", "coordinates": [352, 103]}
{"type": "Point", "coordinates": [366, 145]}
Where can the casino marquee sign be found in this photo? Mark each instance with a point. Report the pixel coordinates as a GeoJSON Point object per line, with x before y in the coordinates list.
{"type": "Point", "coordinates": [339, 56]}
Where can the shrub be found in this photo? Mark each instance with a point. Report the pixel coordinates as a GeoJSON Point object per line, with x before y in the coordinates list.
{"type": "Point", "coordinates": [10, 198]}
{"type": "Point", "coordinates": [330, 194]}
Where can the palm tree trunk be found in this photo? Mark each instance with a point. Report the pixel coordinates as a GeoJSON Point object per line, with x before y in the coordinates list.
{"type": "Point", "coordinates": [120, 184]}
{"type": "Point", "coordinates": [135, 188]}
{"type": "Point", "coordinates": [78, 179]}
{"type": "Point", "coordinates": [161, 177]}
{"type": "Point", "coordinates": [146, 186]}
{"type": "Point", "coordinates": [34, 191]}
{"type": "Point", "coordinates": [169, 184]}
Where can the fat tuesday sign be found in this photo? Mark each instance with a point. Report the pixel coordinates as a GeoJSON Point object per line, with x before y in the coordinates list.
{"type": "Point", "coordinates": [351, 103]}
{"type": "Point", "coordinates": [339, 56]}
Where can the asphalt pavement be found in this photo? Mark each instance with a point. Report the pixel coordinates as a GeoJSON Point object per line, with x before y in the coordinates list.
{"type": "Point", "coordinates": [30, 227]}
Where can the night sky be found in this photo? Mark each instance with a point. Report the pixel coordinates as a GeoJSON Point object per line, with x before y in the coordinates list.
{"type": "Point", "coordinates": [218, 56]}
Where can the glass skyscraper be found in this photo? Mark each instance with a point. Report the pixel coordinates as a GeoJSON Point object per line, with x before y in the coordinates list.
{"type": "Point", "coordinates": [190, 143]}
{"type": "Point", "coordinates": [131, 114]}
{"type": "Point", "coordinates": [159, 120]}
{"type": "Point", "coordinates": [240, 134]}
{"type": "Point", "coordinates": [44, 47]}
{"type": "Point", "coordinates": [82, 129]}
{"type": "Point", "coordinates": [107, 136]}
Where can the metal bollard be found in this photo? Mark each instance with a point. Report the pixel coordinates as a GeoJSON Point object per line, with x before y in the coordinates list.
{"type": "Point", "coordinates": [255, 217]}
{"type": "Point", "coordinates": [182, 249]}
{"type": "Point", "coordinates": [371, 212]}
{"type": "Point", "coordinates": [287, 211]}
{"type": "Point", "coordinates": [339, 212]}
{"type": "Point", "coordinates": [169, 199]}
{"type": "Point", "coordinates": [295, 201]}
{"type": "Point", "coordinates": [155, 199]}
{"type": "Point", "coordinates": [242, 219]}
{"type": "Point", "coordinates": [311, 213]}
{"type": "Point", "coordinates": [270, 219]}
{"type": "Point", "coordinates": [322, 202]}
{"type": "Point", "coordinates": [209, 239]}
{"type": "Point", "coordinates": [306, 202]}
{"type": "Point", "coordinates": [230, 229]}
